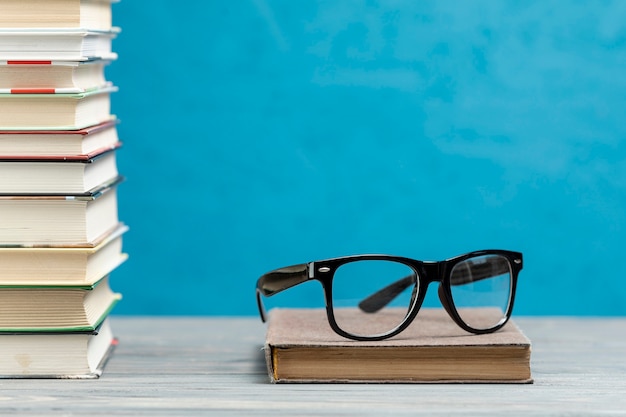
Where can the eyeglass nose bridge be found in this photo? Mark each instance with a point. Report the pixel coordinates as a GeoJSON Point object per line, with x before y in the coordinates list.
{"type": "Point", "coordinates": [431, 272]}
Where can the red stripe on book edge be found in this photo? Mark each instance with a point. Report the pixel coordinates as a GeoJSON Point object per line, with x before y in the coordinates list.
{"type": "Point", "coordinates": [33, 91]}
{"type": "Point", "coordinates": [29, 62]}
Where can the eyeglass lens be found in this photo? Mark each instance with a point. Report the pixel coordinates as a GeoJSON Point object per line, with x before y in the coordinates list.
{"type": "Point", "coordinates": [357, 281]}
{"type": "Point", "coordinates": [481, 290]}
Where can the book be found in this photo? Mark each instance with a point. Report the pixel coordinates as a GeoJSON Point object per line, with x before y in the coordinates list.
{"type": "Point", "coordinates": [56, 44]}
{"type": "Point", "coordinates": [62, 265]}
{"type": "Point", "coordinates": [52, 76]}
{"type": "Point", "coordinates": [75, 355]}
{"type": "Point", "coordinates": [86, 14]}
{"type": "Point", "coordinates": [55, 111]}
{"type": "Point", "coordinates": [56, 175]}
{"type": "Point", "coordinates": [50, 220]}
{"type": "Point", "coordinates": [70, 144]}
{"type": "Point", "coordinates": [55, 308]}
{"type": "Point", "coordinates": [301, 347]}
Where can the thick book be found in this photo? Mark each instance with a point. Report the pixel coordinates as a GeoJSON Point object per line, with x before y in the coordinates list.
{"type": "Point", "coordinates": [63, 220]}
{"type": "Point", "coordinates": [55, 111]}
{"type": "Point", "coordinates": [75, 355]}
{"type": "Point", "coordinates": [62, 265]}
{"type": "Point", "coordinates": [36, 77]}
{"type": "Point", "coordinates": [301, 347]}
{"type": "Point", "coordinates": [67, 144]}
{"type": "Point", "coordinates": [55, 308]}
{"type": "Point", "coordinates": [86, 14]}
{"type": "Point", "coordinates": [63, 44]}
{"type": "Point", "coordinates": [56, 175]}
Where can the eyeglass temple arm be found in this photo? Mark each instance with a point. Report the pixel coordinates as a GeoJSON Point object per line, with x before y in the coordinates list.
{"type": "Point", "coordinates": [476, 272]}
{"type": "Point", "coordinates": [279, 280]}
{"type": "Point", "coordinates": [384, 296]}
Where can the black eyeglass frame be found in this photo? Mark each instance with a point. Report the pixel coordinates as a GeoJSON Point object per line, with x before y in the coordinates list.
{"type": "Point", "coordinates": [428, 271]}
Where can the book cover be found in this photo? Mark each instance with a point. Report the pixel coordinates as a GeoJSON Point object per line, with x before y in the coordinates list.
{"type": "Point", "coordinates": [86, 14]}
{"type": "Point", "coordinates": [73, 355]}
{"type": "Point", "coordinates": [89, 195]}
{"type": "Point", "coordinates": [301, 347]}
{"type": "Point", "coordinates": [57, 175]}
{"type": "Point", "coordinates": [80, 220]}
{"type": "Point", "coordinates": [56, 44]}
{"type": "Point", "coordinates": [33, 76]}
{"type": "Point", "coordinates": [59, 266]}
{"type": "Point", "coordinates": [80, 144]}
{"type": "Point", "coordinates": [66, 111]}
{"type": "Point", "coordinates": [51, 308]}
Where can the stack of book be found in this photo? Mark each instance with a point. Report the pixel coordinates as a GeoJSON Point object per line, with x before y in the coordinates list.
{"type": "Point", "coordinates": [60, 235]}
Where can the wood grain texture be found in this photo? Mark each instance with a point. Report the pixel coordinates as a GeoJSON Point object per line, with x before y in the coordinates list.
{"type": "Point", "coordinates": [198, 366]}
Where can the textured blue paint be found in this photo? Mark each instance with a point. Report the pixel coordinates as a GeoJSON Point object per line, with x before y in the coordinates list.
{"type": "Point", "coordinates": [262, 133]}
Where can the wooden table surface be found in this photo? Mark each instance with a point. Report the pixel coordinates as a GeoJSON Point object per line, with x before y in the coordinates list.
{"type": "Point", "coordinates": [198, 366]}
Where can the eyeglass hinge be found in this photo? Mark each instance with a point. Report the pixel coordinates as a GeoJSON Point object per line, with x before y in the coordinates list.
{"type": "Point", "coordinates": [312, 270]}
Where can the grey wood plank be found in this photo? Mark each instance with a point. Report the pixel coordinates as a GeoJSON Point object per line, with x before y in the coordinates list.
{"type": "Point", "coordinates": [197, 366]}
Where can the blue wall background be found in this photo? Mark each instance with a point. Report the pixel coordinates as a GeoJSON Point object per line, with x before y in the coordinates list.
{"type": "Point", "coordinates": [263, 133]}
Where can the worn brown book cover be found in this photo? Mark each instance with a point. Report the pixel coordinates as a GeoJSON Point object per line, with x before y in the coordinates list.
{"type": "Point", "coordinates": [301, 347]}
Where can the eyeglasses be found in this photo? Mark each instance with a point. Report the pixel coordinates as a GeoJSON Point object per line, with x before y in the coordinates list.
{"type": "Point", "coordinates": [374, 297]}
